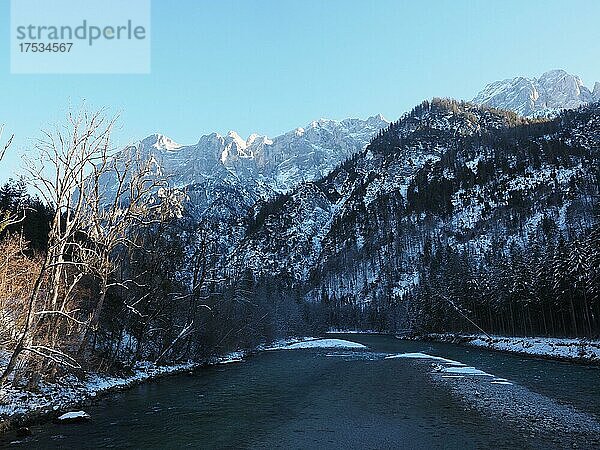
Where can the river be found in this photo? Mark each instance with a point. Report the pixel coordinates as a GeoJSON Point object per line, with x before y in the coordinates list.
{"type": "Point", "coordinates": [348, 398]}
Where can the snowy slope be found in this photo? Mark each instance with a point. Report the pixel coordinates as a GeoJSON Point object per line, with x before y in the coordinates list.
{"type": "Point", "coordinates": [306, 227]}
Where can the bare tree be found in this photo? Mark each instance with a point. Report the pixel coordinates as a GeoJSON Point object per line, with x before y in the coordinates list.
{"type": "Point", "coordinates": [7, 144]}
{"type": "Point", "coordinates": [98, 200]}
{"type": "Point", "coordinates": [111, 221]}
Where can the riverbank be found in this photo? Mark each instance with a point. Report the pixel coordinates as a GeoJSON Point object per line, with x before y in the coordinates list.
{"type": "Point", "coordinates": [20, 406]}
{"type": "Point", "coordinates": [575, 350]}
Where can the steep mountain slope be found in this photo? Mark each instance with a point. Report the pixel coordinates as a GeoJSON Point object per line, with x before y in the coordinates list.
{"type": "Point", "coordinates": [449, 180]}
{"type": "Point", "coordinates": [308, 217]}
{"type": "Point", "coordinates": [535, 97]}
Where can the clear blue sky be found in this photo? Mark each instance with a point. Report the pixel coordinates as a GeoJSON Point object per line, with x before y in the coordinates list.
{"type": "Point", "coordinates": [268, 66]}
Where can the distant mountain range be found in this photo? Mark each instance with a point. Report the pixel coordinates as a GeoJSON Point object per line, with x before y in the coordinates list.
{"type": "Point", "coordinates": [227, 176]}
{"type": "Point", "coordinates": [274, 164]}
{"type": "Point", "coordinates": [264, 166]}
{"type": "Point", "coordinates": [533, 97]}
{"type": "Point", "coordinates": [224, 177]}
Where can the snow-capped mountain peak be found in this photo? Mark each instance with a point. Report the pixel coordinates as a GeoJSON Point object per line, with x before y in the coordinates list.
{"type": "Point", "coordinates": [160, 142]}
{"type": "Point", "coordinates": [232, 136]}
{"type": "Point", "coordinates": [551, 92]}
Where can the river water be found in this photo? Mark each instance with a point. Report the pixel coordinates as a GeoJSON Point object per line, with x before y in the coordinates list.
{"type": "Point", "coordinates": [347, 398]}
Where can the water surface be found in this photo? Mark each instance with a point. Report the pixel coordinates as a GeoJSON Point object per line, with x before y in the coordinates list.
{"type": "Point", "coordinates": [322, 398]}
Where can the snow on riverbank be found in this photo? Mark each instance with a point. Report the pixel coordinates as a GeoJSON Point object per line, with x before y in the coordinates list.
{"type": "Point", "coordinates": [567, 349]}
{"type": "Point", "coordinates": [349, 331]}
{"type": "Point", "coordinates": [17, 402]}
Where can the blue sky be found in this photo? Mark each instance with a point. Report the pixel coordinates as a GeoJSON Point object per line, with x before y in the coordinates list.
{"type": "Point", "coordinates": [269, 66]}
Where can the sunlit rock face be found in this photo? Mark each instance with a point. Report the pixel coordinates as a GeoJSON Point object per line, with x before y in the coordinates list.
{"type": "Point", "coordinates": [547, 95]}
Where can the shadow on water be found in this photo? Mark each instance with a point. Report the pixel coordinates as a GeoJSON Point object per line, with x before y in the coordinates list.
{"type": "Point", "coordinates": [324, 398]}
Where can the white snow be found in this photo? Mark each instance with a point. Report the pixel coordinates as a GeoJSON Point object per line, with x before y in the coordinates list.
{"type": "Point", "coordinates": [466, 371]}
{"type": "Point", "coordinates": [474, 163]}
{"type": "Point", "coordinates": [162, 142]}
{"type": "Point", "coordinates": [320, 343]}
{"type": "Point", "coordinates": [74, 415]}
{"type": "Point", "coordinates": [562, 348]}
{"type": "Point", "coordinates": [229, 361]}
{"type": "Point", "coordinates": [350, 331]}
{"type": "Point", "coordinates": [541, 346]}
{"type": "Point", "coordinates": [536, 97]}
{"type": "Point", "coordinates": [419, 355]}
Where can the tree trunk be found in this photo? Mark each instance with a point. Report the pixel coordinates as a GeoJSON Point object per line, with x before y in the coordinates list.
{"type": "Point", "coordinates": [94, 320]}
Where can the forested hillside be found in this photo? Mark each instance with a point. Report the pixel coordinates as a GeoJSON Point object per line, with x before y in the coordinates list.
{"type": "Point", "coordinates": [455, 218]}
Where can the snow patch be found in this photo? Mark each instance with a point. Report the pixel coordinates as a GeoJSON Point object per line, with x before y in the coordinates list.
{"type": "Point", "coordinates": [541, 346]}
{"type": "Point", "coordinates": [419, 355]}
{"type": "Point", "coordinates": [72, 415]}
{"type": "Point", "coordinates": [319, 343]}
{"type": "Point", "coordinates": [466, 371]}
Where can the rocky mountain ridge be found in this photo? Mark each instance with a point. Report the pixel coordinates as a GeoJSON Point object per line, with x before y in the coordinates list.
{"type": "Point", "coordinates": [276, 164]}
{"type": "Point", "coordinates": [548, 94]}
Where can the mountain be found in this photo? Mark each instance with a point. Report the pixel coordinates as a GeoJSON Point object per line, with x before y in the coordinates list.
{"type": "Point", "coordinates": [373, 225]}
{"type": "Point", "coordinates": [262, 163]}
{"type": "Point", "coordinates": [309, 216]}
{"type": "Point", "coordinates": [533, 97]}
{"type": "Point", "coordinates": [225, 177]}
{"type": "Point", "coordinates": [451, 205]}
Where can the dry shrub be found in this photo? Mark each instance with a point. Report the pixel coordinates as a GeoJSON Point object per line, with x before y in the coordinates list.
{"type": "Point", "coordinates": [18, 272]}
